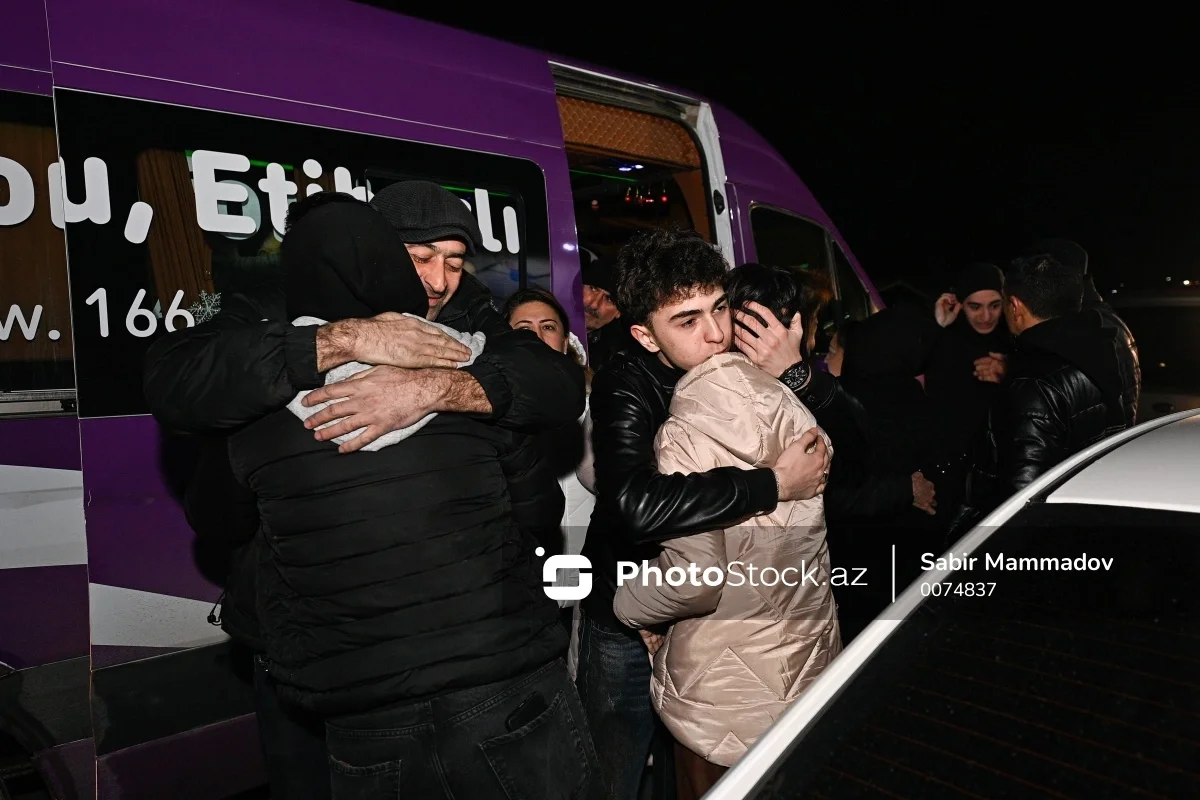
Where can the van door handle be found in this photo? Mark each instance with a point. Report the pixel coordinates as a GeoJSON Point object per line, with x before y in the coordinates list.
{"type": "Point", "coordinates": [718, 202]}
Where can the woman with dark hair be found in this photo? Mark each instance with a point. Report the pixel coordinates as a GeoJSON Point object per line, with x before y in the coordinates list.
{"type": "Point", "coordinates": [538, 310]}
{"type": "Point", "coordinates": [783, 291]}
{"type": "Point", "coordinates": [569, 451]}
{"type": "Point", "coordinates": [864, 488]}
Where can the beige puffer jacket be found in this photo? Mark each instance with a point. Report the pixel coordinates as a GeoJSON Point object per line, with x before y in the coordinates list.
{"type": "Point", "coordinates": [738, 654]}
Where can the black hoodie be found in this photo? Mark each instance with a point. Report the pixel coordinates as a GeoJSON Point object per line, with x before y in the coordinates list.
{"type": "Point", "coordinates": [962, 400]}
{"type": "Point", "coordinates": [390, 576]}
{"type": "Point", "coordinates": [1065, 392]}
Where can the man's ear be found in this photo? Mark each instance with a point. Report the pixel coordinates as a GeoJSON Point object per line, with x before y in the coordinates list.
{"type": "Point", "coordinates": [644, 337]}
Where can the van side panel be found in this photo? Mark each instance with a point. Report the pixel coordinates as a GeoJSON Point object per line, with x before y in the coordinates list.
{"type": "Point", "coordinates": [25, 48]}
{"type": "Point", "coordinates": [343, 65]}
{"type": "Point", "coordinates": [338, 54]}
{"type": "Point", "coordinates": [157, 600]}
{"type": "Point", "coordinates": [43, 555]}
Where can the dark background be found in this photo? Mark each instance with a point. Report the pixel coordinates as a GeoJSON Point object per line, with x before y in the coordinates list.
{"type": "Point", "coordinates": [934, 137]}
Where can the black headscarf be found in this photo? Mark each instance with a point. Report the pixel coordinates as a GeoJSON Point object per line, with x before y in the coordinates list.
{"type": "Point", "coordinates": [962, 399]}
{"type": "Point", "coordinates": [343, 261]}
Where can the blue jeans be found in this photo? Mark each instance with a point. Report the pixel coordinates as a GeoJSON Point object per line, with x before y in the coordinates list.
{"type": "Point", "coordinates": [614, 684]}
{"type": "Point", "coordinates": [519, 739]}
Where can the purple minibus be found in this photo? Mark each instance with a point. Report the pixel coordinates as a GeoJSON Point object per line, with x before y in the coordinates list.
{"type": "Point", "coordinates": [148, 154]}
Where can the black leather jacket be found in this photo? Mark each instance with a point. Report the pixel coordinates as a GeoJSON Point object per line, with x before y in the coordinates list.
{"type": "Point", "coordinates": [1128, 364]}
{"type": "Point", "coordinates": [1068, 389]}
{"type": "Point", "coordinates": [638, 508]}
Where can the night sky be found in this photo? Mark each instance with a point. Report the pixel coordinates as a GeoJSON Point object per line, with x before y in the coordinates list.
{"type": "Point", "coordinates": [931, 140]}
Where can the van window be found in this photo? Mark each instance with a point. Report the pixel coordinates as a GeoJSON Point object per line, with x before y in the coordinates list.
{"type": "Point", "coordinates": [177, 207]}
{"type": "Point", "coordinates": [631, 170]}
{"type": "Point", "coordinates": [35, 308]}
{"type": "Point", "coordinates": [783, 239]}
{"type": "Point", "coordinates": [853, 299]}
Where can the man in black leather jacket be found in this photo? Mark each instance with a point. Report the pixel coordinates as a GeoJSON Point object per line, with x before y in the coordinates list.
{"type": "Point", "coordinates": [1067, 387]}
{"type": "Point", "coordinates": [1073, 255]}
{"type": "Point", "coordinates": [670, 288]}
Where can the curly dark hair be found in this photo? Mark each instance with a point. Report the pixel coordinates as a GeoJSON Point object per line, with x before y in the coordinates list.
{"type": "Point", "coordinates": [1045, 285]}
{"type": "Point", "coordinates": [784, 291]}
{"type": "Point", "coordinates": [662, 266]}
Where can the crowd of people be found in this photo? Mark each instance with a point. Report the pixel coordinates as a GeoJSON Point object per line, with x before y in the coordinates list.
{"type": "Point", "coordinates": [389, 458]}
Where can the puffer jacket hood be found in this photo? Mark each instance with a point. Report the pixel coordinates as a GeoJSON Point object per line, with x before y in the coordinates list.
{"type": "Point", "coordinates": [741, 651]}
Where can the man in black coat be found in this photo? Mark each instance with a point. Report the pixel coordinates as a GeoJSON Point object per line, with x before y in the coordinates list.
{"type": "Point", "coordinates": [398, 598]}
{"type": "Point", "coordinates": [1073, 255]}
{"type": "Point", "coordinates": [1067, 388]}
{"type": "Point", "coordinates": [250, 361]}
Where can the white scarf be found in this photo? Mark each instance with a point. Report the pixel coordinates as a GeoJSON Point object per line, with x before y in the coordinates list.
{"type": "Point", "coordinates": [475, 341]}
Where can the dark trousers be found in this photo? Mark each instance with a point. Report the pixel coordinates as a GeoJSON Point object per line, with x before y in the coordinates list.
{"type": "Point", "coordinates": [694, 775]}
{"type": "Point", "coordinates": [521, 738]}
{"type": "Point", "coordinates": [614, 684]}
{"type": "Point", "coordinates": [293, 744]}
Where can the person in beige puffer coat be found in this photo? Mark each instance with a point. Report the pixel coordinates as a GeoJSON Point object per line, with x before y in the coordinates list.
{"type": "Point", "coordinates": [736, 655]}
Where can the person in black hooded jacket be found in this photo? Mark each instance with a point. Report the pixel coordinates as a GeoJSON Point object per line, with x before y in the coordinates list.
{"type": "Point", "coordinates": [223, 514]}
{"type": "Point", "coordinates": [1065, 390]}
{"type": "Point", "coordinates": [394, 588]}
{"type": "Point", "coordinates": [876, 361]}
{"type": "Point", "coordinates": [965, 369]}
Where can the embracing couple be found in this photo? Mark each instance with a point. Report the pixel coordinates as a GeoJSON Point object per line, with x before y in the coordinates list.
{"type": "Point", "coordinates": [705, 455]}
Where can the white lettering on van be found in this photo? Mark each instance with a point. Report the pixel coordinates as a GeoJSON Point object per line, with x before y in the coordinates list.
{"type": "Point", "coordinates": [278, 190]}
{"type": "Point", "coordinates": [512, 232]}
{"type": "Point", "coordinates": [483, 212]}
{"type": "Point", "coordinates": [138, 223]}
{"type": "Point", "coordinates": [28, 328]}
{"type": "Point", "coordinates": [216, 200]}
{"type": "Point", "coordinates": [342, 182]}
{"type": "Point", "coordinates": [251, 209]}
{"type": "Point", "coordinates": [210, 192]}
{"type": "Point", "coordinates": [95, 205]}
{"type": "Point", "coordinates": [21, 196]}
{"type": "Point", "coordinates": [312, 168]}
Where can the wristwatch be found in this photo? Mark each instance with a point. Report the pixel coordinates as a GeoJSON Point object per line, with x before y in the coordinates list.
{"type": "Point", "coordinates": [796, 376]}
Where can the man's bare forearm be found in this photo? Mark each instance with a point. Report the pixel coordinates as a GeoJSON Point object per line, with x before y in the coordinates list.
{"type": "Point", "coordinates": [458, 391]}
{"type": "Point", "coordinates": [336, 343]}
